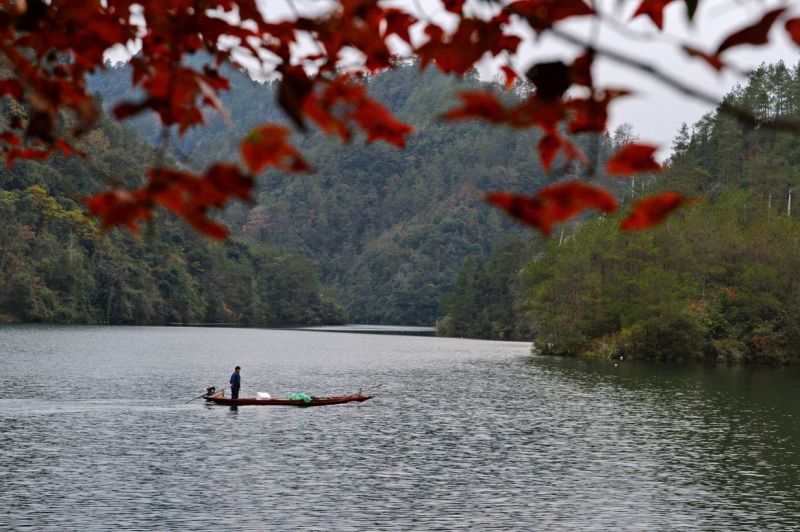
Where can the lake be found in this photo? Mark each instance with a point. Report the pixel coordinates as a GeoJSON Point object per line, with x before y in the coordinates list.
{"type": "Point", "coordinates": [96, 433]}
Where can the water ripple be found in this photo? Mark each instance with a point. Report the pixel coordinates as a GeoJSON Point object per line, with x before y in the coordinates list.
{"type": "Point", "coordinates": [96, 434]}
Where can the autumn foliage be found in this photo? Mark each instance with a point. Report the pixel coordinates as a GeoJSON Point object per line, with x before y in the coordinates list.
{"type": "Point", "coordinates": [553, 204]}
{"type": "Point", "coordinates": [48, 49]}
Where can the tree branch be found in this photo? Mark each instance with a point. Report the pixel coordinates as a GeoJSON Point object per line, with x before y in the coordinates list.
{"type": "Point", "coordinates": [740, 113]}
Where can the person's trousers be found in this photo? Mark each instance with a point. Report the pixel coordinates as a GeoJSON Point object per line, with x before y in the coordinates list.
{"type": "Point", "coordinates": [235, 393]}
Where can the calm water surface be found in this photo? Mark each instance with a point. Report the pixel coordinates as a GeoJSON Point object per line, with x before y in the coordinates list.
{"type": "Point", "coordinates": [95, 433]}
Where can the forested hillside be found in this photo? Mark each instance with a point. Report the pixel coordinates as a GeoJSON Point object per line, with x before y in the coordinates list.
{"type": "Point", "coordinates": [388, 228]}
{"type": "Point", "coordinates": [718, 281]}
{"type": "Point", "coordinates": [56, 266]}
{"type": "Point", "coordinates": [484, 302]}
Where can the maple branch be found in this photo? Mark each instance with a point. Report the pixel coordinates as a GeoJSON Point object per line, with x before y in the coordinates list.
{"type": "Point", "coordinates": [649, 37]}
{"type": "Point", "coordinates": [625, 31]}
{"type": "Point", "coordinates": [743, 115]}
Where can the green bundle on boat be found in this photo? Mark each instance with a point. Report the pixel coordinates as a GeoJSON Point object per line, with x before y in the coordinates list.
{"type": "Point", "coordinates": [300, 397]}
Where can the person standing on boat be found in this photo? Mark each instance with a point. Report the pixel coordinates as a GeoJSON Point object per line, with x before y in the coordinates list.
{"type": "Point", "coordinates": [236, 383]}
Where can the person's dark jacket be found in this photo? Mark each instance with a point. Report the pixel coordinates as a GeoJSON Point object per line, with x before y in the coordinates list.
{"type": "Point", "coordinates": [236, 380]}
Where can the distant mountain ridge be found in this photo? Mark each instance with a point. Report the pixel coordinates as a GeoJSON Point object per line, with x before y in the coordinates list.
{"type": "Point", "coordinates": [56, 267]}
{"type": "Point", "coordinates": [389, 228]}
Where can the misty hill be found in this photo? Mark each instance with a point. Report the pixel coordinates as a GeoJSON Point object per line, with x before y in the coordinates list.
{"type": "Point", "coordinates": [388, 228]}
{"type": "Point", "coordinates": [55, 266]}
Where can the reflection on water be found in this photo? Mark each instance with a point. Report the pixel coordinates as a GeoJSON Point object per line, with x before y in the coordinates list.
{"type": "Point", "coordinates": [96, 433]}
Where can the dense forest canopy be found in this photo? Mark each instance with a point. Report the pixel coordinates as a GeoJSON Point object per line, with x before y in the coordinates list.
{"type": "Point", "coordinates": [388, 228]}
{"type": "Point", "coordinates": [719, 281]}
{"type": "Point", "coordinates": [57, 266]}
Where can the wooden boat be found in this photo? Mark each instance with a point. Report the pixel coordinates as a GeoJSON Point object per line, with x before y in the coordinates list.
{"type": "Point", "coordinates": [277, 401]}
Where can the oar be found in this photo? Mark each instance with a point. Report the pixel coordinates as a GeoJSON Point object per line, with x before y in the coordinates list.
{"type": "Point", "coordinates": [196, 398]}
{"type": "Point", "coordinates": [205, 394]}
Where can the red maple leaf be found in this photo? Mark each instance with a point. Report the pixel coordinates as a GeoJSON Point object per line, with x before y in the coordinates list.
{"type": "Point", "coordinates": [653, 210]}
{"type": "Point", "coordinates": [380, 124]}
{"type": "Point", "coordinates": [10, 138]}
{"type": "Point", "coordinates": [569, 199]}
{"type": "Point", "coordinates": [345, 100]}
{"type": "Point", "coordinates": [11, 87]}
{"type": "Point", "coordinates": [542, 14]}
{"type": "Point", "coordinates": [454, 6]}
{"type": "Point", "coordinates": [188, 195]}
{"type": "Point", "coordinates": [510, 76]}
{"type": "Point", "coordinates": [553, 204]}
{"type": "Point", "coordinates": [398, 23]}
{"type": "Point", "coordinates": [793, 29]}
{"type": "Point", "coordinates": [653, 9]}
{"type": "Point", "coordinates": [633, 158]}
{"type": "Point", "coordinates": [118, 207]}
{"type": "Point", "coordinates": [581, 69]}
{"type": "Point", "coordinates": [756, 34]}
{"type": "Point", "coordinates": [268, 145]}
{"type": "Point", "coordinates": [549, 146]}
{"type": "Point", "coordinates": [529, 210]}
{"type": "Point", "coordinates": [458, 52]}
{"type": "Point", "coordinates": [591, 113]}
{"type": "Point", "coordinates": [713, 60]}
{"type": "Point", "coordinates": [478, 104]}
{"type": "Point", "coordinates": [198, 219]}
